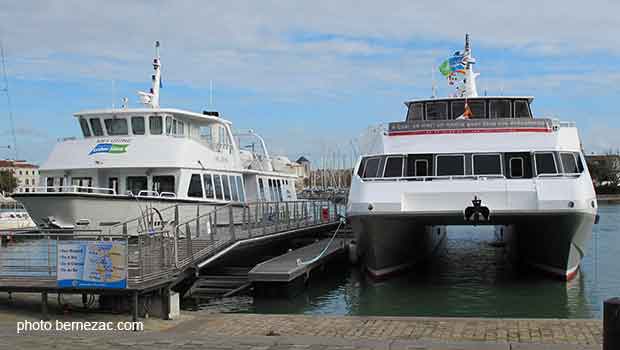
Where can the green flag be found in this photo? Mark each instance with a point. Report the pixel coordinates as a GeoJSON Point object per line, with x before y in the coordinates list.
{"type": "Point", "coordinates": [444, 68]}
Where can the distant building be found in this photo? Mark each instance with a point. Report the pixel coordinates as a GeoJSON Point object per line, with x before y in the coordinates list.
{"type": "Point", "coordinates": [304, 170]}
{"type": "Point", "coordinates": [27, 174]}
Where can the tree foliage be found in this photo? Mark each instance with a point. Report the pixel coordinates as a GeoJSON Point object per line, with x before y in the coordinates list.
{"type": "Point", "coordinates": [605, 172]}
{"type": "Point", "coordinates": [8, 182]}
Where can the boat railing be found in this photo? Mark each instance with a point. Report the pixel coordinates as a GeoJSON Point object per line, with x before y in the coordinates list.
{"type": "Point", "coordinates": [460, 177]}
{"type": "Point", "coordinates": [433, 178]}
{"type": "Point", "coordinates": [71, 189]}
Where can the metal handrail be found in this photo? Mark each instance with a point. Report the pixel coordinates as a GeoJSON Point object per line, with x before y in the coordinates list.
{"type": "Point", "coordinates": [163, 252]}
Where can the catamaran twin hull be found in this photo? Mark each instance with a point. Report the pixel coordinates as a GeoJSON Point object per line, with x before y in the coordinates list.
{"type": "Point", "coordinates": [546, 229]}
{"type": "Point", "coordinates": [553, 242]}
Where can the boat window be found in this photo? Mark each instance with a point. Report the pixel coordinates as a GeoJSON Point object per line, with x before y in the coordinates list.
{"type": "Point", "coordinates": [569, 163]}
{"type": "Point", "coordinates": [374, 166]}
{"type": "Point", "coordinates": [241, 189]}
{"type": "Point", "coordinates": [195, 186]}
{"type": "Point", "coordinates": [168, 125]}
{"type": "Point", "coordinates": [477, 108]}
{"type": "Point", "coordinates": [487, 164]}
{"type": "Point", "coordinates": [135, 184]}
{"type": "Point", "coordinates": [261, 188]}
{"type": "Point", "coordinates": [500, 109]}
{"type": "Point", "coordinates": [233, 189]}
{"type": "Point", "coordinates": [113, 184]}
{"type": "Point", "coordinates": [95, 124]}
{"type": "Point", "coordinates": [174, 126]}
{"type": "Point", "coordinates": [209, 190]}
{"type": "Point", "coordinates": [360, 169]}
{"type": "Point", "coordinates": [226, 185]}
{"type": "Point", "coordinates": [280, 190]}
{"type": "Point", "coordinates": [393, 167]}
{"type": "Point", "coordinates": [545, 163]}
{"type": "Point", "coordinates": [436, 110]}
{"type": "Point", "coordinates": [82, 182]}
{"type": "Point", "coordinates": [416, 111]}
{"type": "Point", "coordinates": [273, 191]}
{"type": "Point", "coordinates": [84, 126]}
{"type": "Point", "coordinates": [137, 125]}
{"type": "Point", "coordinates": [218, 187]}
{"type": "Point", "coordinates": [155, 125]}
{"type": "Point", "coordinates": [163, 183]}
{"type": "Point", "coordinates": [421, 167]}
{"type": "Point", "coordinates": [522, 109]}
{"type": "Point", "coordinates": [450, 165]}
{"type": "Point", "coordinates": [516, 167]}
{"type": "Point", "coordinates": [579, 163]}
{"type": "Point", "coordinates": [181, 128]}
{"type": "Point", "coordinates": [205, 134]}
{"type": "Point", "coordinates": [49, 183]}
{"type": "Point", "coordinates": [116, 126]}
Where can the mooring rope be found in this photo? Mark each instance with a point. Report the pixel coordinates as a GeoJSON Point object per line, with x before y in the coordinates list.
{"type": "Point", "coordinates": [316, 258]}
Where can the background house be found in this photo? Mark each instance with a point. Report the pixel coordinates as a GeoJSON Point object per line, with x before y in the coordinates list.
{"type": "Point", "coordinates": [27, 174]}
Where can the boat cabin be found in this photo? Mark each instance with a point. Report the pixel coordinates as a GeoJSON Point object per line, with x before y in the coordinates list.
{"type": "Point", "coordinates": [207, 128]}
{"type": "Point", "coordinates": [487, 107]}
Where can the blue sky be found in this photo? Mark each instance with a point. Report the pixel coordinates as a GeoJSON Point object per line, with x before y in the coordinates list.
{"type": "Point", "coordinates": [310, 76]}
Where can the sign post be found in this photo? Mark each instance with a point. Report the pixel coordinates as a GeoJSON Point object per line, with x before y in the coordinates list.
{"type": "Point", "coordinates": [91, 264]}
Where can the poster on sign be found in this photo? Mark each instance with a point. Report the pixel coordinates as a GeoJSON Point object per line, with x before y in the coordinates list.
{"type": "Point", "coordinates": [91, 264]}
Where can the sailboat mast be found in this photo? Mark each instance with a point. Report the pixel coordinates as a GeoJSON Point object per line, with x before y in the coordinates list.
{"type": "Point", "coordinates": [8, 100]}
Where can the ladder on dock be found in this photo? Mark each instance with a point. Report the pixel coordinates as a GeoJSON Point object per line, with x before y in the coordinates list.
{"type": "Point", "coordinates": [223, 282]}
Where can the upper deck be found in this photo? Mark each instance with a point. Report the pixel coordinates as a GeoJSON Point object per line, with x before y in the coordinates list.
{"type": "Point", "coordinates": [484, 107]}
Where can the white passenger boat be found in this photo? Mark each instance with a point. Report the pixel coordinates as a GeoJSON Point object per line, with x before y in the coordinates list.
{"type": "Point", "coordinates": [13, 216]}
{"type": "Point", "coordinates": [468, 160]}
{"type": "Point", "coordinates": [131, 158]}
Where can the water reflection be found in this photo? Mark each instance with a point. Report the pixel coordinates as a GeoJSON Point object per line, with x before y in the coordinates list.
{"type": "Point", "coordinates": [470, 278]}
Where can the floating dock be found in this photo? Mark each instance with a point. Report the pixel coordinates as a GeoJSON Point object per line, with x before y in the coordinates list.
{"type": "Point", "coordinates": [287, 273]}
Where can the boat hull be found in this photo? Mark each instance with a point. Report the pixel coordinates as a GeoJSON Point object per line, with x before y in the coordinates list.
{"type": "Point", "coordinates": [390, 244]}
{"type": "Point", "coordinates": [93, 211]}
{"type": "Point", "coordinates": [551, 242]}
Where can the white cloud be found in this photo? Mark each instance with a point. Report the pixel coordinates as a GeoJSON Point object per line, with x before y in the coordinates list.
{"type": "Point", "coordinates": [292, 50]}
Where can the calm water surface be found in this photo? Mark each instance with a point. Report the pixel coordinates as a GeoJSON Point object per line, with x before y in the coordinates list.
{"type": "Point", "coordinates": [470, 279]}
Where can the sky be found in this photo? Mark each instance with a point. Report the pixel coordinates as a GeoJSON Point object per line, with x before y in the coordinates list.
{"type": "Point", "coordinates": [310, 76]}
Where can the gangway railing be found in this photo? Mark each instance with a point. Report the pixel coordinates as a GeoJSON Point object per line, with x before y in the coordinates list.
{"type": "Point", "coordinates": [162, 243]}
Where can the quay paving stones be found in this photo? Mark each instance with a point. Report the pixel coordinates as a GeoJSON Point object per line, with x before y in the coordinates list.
{"type": "Point", "coordinates": [201, 330]}
{"type": "Point", "coordinates": [541, 331]}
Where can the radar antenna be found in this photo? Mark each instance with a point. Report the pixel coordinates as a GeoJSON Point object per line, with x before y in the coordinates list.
{"type": "Point", "coordinates": [470, 89]}
{"type": "Point", "coordinates": [151, 98]}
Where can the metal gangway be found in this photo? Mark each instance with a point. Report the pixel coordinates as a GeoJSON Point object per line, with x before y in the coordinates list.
{"type": "Point", "coordinates": [163, 246]}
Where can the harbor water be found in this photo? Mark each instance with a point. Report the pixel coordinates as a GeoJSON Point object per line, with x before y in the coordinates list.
{"type": "Point", "coordinates": [470, 278]}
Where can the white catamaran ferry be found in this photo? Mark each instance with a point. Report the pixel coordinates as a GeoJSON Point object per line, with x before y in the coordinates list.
{"type": "Point", "coordinates": [468, 160]}
{"type": "Point", "coordinates": [130, 157]}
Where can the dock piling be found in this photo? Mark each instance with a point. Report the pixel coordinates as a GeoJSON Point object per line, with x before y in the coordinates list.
{"type": "Point", "coordinates": [611, 324]}
{"type": "Point", "coordinates": [134, 306]}
{"type": "Point", "coordinates": [231, 222]}
{"type": "Point", "coordinates": [44, 306]}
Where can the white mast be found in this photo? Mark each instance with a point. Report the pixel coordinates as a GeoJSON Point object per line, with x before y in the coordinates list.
{"type": "Point", "coordinates": [470, 76]}
{"type": "Point", "coordinates": [151, 98]}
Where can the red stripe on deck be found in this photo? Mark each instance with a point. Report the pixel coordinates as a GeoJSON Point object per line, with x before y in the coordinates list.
{"type": "Point", "coordinates": [466, 131]}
